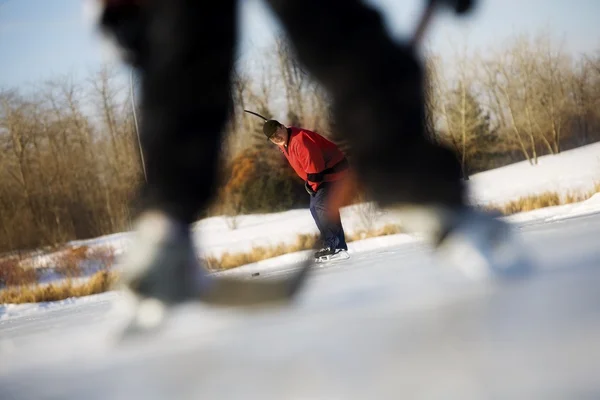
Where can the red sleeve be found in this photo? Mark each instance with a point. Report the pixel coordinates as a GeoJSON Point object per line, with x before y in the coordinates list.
{"type": "Point", "coordinates": [311, 159]}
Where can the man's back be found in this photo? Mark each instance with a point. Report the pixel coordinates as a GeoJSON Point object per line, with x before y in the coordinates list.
{"type": "Point", "coordinates": [313, 156]}
{"type": "Point", "coordinates": [331, 152]}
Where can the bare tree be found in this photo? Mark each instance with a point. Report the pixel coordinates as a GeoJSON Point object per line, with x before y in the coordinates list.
{"type": "Point", "coordinates": [294, 79]}
{"type": "Point", "coordinates": [466, 124]}
{"type": "Point", "coordinates": [554, 101]}
{"type": "Point", "coordinates": [105, 94]}
{"type": "Point", "coordinates": [502, 71]}
{"type": "Point", "coordinates": [434, 106]}
{"type": "Point", "coordinates": [70, 160]}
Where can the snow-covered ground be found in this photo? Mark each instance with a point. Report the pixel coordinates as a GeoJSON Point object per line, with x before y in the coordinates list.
{"type": "Point", "coordinates": [390, 322]}
{"type": "Point", "coordinates": [571, 171]}
{"type": "Point", "coordinates": [575, 170]}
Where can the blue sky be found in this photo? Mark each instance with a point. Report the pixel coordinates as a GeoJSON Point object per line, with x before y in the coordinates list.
{"type": "Point", "coordinates": [43, 38]}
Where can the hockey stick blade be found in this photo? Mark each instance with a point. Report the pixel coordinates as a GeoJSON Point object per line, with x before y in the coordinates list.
{"type": "Point", "coordinates": [149, 315]}
{"type": "Point", "coordinates": [255, 293]}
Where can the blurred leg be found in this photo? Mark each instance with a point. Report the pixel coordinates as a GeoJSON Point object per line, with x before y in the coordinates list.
{"type": "Point", "coordinates": [190, 47]}
{"type": "Point", "coordinates": [183, 51]}
{"type": "Point", "coordinates": [378, 102]}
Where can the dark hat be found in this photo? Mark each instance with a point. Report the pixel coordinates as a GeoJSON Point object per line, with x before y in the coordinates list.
{"type": "Point", "coordinates": [270, 127]}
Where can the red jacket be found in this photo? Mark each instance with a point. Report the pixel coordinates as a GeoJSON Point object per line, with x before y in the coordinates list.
{"type": "Point", "coordinates": [314, 158]}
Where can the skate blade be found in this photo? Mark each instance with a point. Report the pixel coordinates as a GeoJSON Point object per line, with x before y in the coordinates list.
{"type": "Point", "coordinates": [482, 247]}
{"type": "Point", "coordinates": [144, 316]}
{"type": "Point", "coordinates": [336, 257]}
{"type": "Point", "coordinates": [486, 253]}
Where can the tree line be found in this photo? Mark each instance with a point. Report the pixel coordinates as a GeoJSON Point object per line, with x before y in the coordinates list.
{"type": "Point", "coordinates": [70, 159]}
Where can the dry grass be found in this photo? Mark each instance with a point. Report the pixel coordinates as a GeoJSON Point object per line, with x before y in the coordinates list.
{"type": "Point", "coordinates": [105, 255]}
{"type": "Point", "coordinates": [20, 283]}
{"type": "Point", "coordinates": [11, 273]}
{"type": "Point", "coordinates": [73, 261]}
{"type": "Point", "coordinates": [68, 263]}
{"type": "Point", "coordinates": [383, 231]}
{"type": "Point", "coordinates": [545, 199]}
{"type": "Point", "coordinates": [303, 242]}
{"type": "Point", "coordinates": [98, 283]}
{"type": "Point", "coordinates": [232, 260]}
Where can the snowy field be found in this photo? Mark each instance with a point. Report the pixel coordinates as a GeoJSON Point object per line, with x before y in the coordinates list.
{"type": "Point", "coordinates": [571, 171]}
{"type": "Point", "coordinates": [574, 170]}
{"type": "Point", "coordinates": [391, 322]}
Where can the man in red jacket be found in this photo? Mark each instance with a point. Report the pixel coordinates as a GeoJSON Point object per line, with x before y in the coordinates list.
{"type": "Point", "coordinates": [320, 163]}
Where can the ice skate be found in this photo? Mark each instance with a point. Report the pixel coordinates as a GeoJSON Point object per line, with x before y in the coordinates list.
{"type": "Point", "coordinates": [484, 247]}
{"type": "Point", "coordinates": [161, 270]}
{"type": "Point", "coordinates": [477, 243]}
{"type": "Point", "coordinates": [328, 254]}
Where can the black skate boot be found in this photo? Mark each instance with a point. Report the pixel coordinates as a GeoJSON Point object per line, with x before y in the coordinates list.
{"type": "Point", "coordinates": [329, 254]}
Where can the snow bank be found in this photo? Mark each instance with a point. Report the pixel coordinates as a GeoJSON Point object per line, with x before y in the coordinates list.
{"type": "Point", "coordinates": [557, 213]}
{"type": "Point", "coordinates": [274, 264]}
{"type": "Point", "coordinates": [215, 237]}
{"type": "Point", "coordinates": [573, 170]}
{"type": "Point", "coordinates": [8, 311]}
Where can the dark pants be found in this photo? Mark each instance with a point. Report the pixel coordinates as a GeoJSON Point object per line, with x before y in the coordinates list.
{"type": "Point", "coordinates": [184, 52]}
{"type": "Point", "coordinates": [332, 231]}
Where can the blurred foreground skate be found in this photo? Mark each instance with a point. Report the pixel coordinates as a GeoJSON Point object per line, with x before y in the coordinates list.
{"type": "Point", "coordinates": [162, 269]}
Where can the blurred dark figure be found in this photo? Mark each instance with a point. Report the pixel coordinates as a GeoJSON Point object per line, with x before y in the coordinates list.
{"type": "Point", "coordinates": [183, 51]}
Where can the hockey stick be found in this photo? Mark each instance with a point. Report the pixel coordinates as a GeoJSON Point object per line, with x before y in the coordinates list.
{"type": "Point", "coordinates": [149, 314]}
{"type": "Point", "coordinates": [257, 114]}
{"type": "Point", "coordinates": [423, 24]}
{"type": "Point", "coordinates": [459, 7]}
{"type": "Point", "coordinates": [250, 293]}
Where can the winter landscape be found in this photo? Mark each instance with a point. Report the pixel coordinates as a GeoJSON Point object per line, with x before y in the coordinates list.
{"type": "Point", "coordinates": [425, 329]}
{"type": "Point", "coordinates": [393, 321]}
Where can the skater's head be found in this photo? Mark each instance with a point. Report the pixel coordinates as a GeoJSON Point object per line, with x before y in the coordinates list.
{"type": "Point", "coordinates": [275, 132]}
